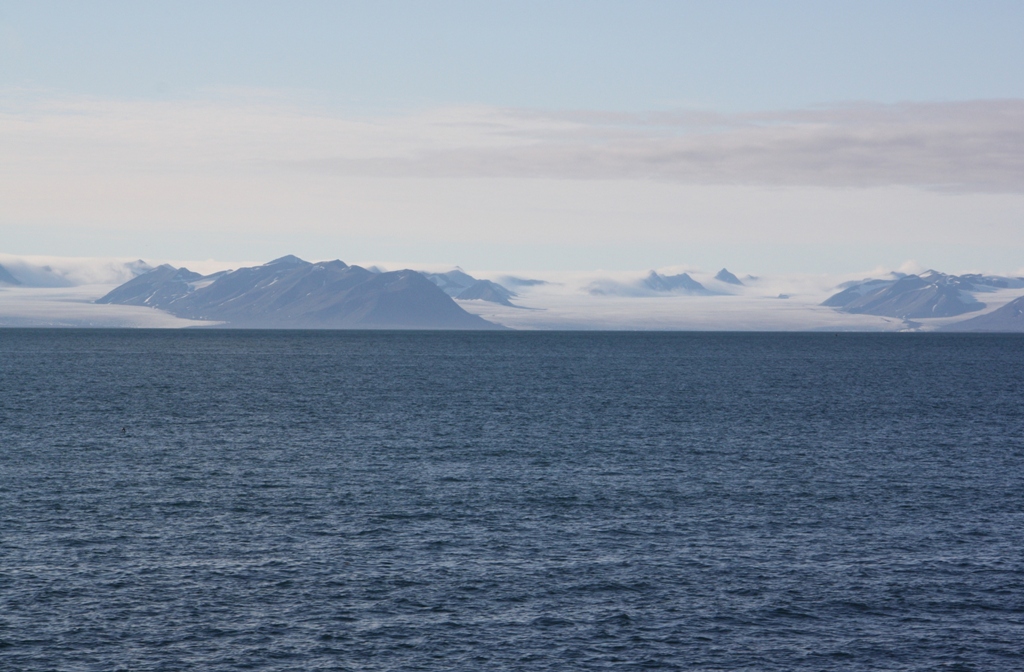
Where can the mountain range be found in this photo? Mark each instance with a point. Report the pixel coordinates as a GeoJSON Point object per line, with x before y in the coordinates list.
{"type": "Point", "coordinates": [654, 284]}
{"type": "Point", "coordinates": [681, 284]}
{"type": "Point", "coordinates": [460, 285]}
{"type": "Point", "coordinates": [292, 293]}
{"type": "Point", "coordinates": [928, 295]}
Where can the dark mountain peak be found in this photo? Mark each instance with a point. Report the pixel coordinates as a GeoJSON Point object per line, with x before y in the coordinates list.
{"type": "Point", "coordinates": [287, 260]}
{"type": "Point", "coordinates": [673, 283]}
{"type": "Point", "coordinates": [725, 276]}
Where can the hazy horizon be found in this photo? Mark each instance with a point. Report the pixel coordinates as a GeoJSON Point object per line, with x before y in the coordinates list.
{"type": "Point", "coordinates": [63, 291]}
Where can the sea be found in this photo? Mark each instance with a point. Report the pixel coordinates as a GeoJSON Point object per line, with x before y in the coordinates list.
{"type": "Point", "coordinates": [284, 500]}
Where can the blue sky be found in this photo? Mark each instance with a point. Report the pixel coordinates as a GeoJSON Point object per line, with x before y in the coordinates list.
{"type": "Point", "coordinates": [517, 135]}
{"type": "Point", "coordinates": [727, 56]}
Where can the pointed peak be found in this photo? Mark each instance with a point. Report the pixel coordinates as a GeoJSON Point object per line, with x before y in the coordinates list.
{"type": "Point", "coordinates": [287, 260]}
{"type": "Point", "coordinates": [725, 276]}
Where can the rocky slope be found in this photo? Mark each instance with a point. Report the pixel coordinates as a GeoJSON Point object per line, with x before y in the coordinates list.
{"type": "Point", "coordinates": [1008, 319]}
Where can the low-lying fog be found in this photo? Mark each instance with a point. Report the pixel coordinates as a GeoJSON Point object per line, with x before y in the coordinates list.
{"type": "Point", "coordinates": [61, 292]}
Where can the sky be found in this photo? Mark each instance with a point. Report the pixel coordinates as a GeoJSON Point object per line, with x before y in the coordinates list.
{"type": "Point", "coordinates": [762, 136]}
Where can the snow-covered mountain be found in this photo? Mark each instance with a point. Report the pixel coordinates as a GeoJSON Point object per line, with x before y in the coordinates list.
{"type": "Point", "coordinates": [292, 293]}
{"type": "Point", "coordinates": [460, 285]}
{"type": "Point", "coordinates": [929, 295]}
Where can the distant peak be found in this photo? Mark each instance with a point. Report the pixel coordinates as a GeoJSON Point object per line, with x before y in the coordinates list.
{"type": "Point", "coordinates": [668, 283]}
{"type": "Point", "coordinates": [459, 273]}
{"type": "Point", "coordinates": [725, 276]}
{"type": "Point", "coordinates": [287, 260]}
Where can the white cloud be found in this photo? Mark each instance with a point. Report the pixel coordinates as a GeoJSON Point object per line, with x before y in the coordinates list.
{"type": "Point", "coordinates": [256, 177]}
{"type": "Point", "coordinates": [52, 271]}
{"type": "Point", "coordinates": [972, 146]}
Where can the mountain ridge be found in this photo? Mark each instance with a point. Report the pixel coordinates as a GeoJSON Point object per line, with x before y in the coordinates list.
{"type": "Point", "coordinates": [289, 292]}
{"type": "Point", "coordinates": [931, 294]}
{"type": "Point", "coordinates": [462, 286]}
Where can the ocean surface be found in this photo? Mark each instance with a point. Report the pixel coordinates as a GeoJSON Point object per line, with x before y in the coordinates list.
{"type": "Point", "coordinates": [230, 500]}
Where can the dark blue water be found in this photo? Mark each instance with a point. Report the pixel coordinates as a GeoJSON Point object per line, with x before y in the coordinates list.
{"type": "Point", "coordinates": [575, 501]}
